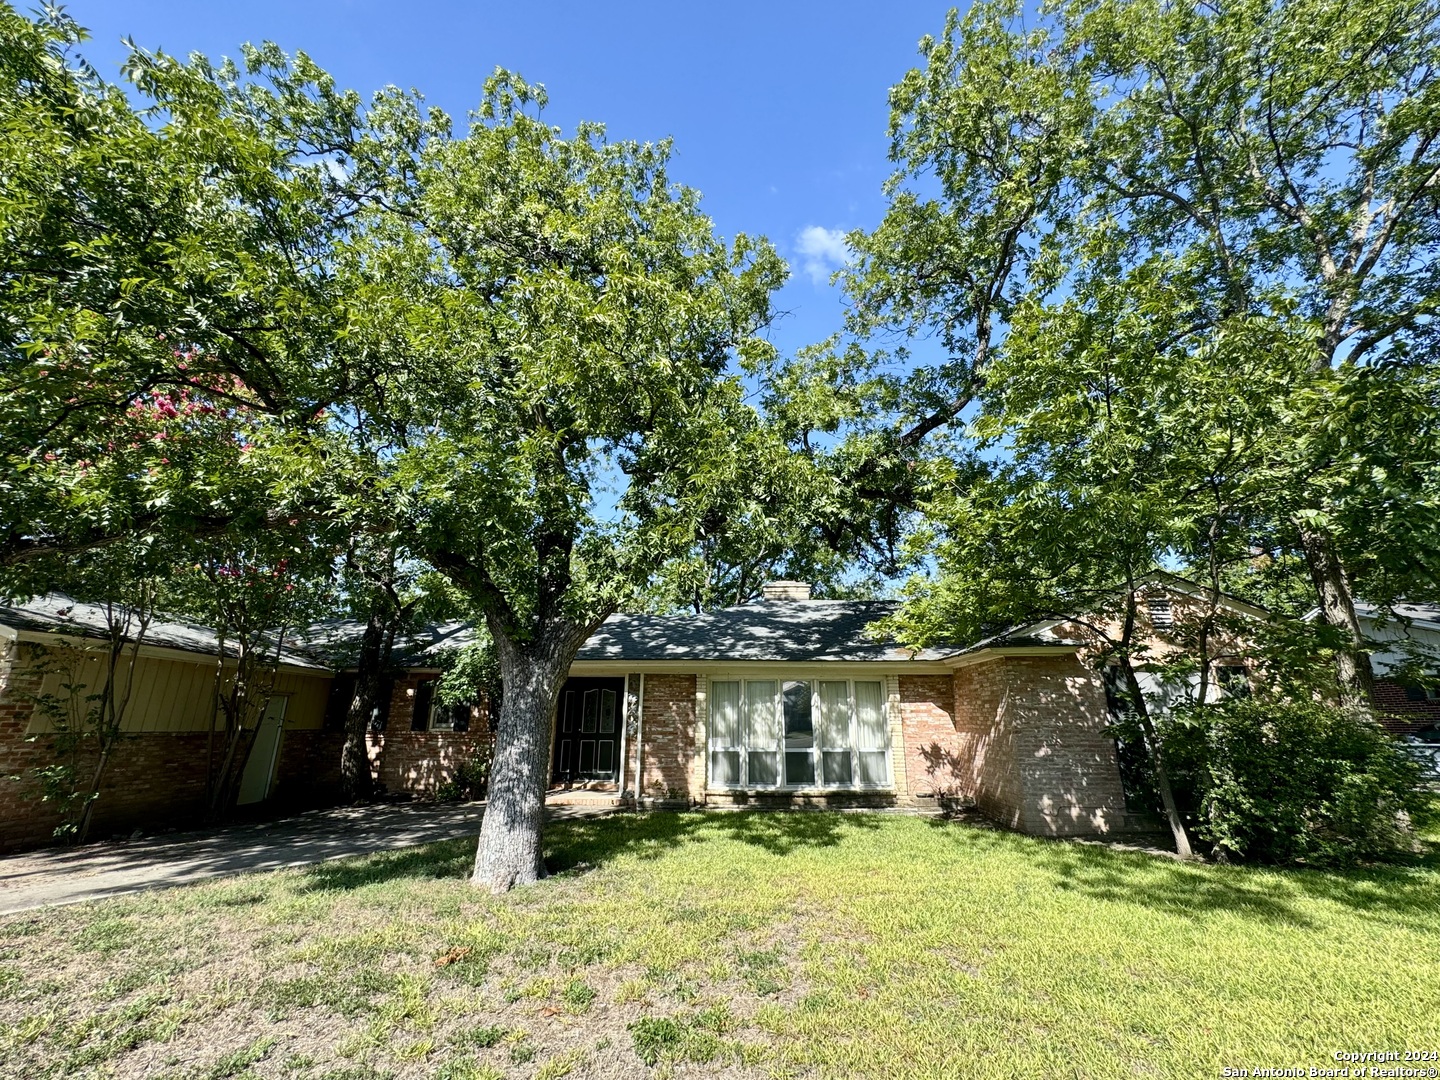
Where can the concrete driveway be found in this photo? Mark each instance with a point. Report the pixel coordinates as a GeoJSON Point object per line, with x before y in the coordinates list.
{"type": "Point", "coordinates": [71, 875]}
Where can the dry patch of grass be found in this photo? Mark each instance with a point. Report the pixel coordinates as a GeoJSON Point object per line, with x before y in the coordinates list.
{"type": "Point", "coordinates": [742, 945]}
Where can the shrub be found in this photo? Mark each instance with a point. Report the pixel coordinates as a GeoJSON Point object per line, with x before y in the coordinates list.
{"type": "Point", "coordinates": [471, 779]}
{"type": "Point", "coordinates": [1300, 782]}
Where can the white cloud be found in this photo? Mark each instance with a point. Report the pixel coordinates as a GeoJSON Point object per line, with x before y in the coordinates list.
{"type": "Point", "coordinates": [823, 250]}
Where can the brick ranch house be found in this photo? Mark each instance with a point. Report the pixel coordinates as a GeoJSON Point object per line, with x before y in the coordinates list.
{"type": "Point", "coordinates": [782, 702]}
{"type": "Point", "coordinates": [158, 775]}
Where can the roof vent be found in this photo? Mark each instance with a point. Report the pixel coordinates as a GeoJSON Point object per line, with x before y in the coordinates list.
{"type": "Point", "coordinates": [785, 590]}
{"type": "Point", "coordinates": [1162, 617]}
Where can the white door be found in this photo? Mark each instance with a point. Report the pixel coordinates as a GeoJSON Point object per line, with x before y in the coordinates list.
{"type": "Point", "coordinates": [260, 765]}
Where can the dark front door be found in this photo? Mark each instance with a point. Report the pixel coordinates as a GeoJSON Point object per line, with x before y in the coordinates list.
{"type": "Point", "coordinates": [587, 730]}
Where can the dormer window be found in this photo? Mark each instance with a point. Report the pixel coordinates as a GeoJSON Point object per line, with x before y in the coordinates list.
{"type": "Point", "coordinates": [1161, 616]}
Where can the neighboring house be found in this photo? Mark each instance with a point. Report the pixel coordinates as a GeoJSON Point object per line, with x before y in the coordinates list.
{"type": "Point", "coordinates": [1405, 657]}
{"type": "Point", "coordinates": [782, 702]}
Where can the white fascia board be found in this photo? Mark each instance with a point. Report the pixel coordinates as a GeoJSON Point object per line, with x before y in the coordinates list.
{"type": "Point", "coordinates": [994, 652]}
{"type": "Point", "coordinates": [1396, 619]}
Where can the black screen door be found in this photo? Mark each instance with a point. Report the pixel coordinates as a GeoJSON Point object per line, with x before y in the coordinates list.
{"type": "Point", "coordinates": [587, 730]}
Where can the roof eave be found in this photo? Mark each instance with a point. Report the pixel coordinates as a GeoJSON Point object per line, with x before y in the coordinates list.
{"type": "Point", "coordinates": [986, 653]}
{"type": "Point", "coordinates": [153, 651]}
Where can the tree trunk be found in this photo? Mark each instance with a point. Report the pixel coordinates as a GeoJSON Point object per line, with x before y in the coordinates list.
{"type": "Point", "coordinates": [532, 674]}
{"type": "Point", "coordinates": [356, 781]}
{"type": "Point", "coordinates": [238, 745]}
{"type": "Point", "coordinates": [1353, 673]}
{"type": "Point", "coordinates": [87, 815]}
{"type": "Point", "coordinates": [113, 707]}
{"type": "Point", "coordinates": [1157, 761]}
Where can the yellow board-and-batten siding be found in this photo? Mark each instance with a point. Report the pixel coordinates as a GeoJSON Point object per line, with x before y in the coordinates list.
{"type": "Point", "coordinates": [178, 695]}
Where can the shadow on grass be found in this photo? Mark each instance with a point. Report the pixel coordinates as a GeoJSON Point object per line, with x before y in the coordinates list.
{"type": "Point", "coordinates": [593, 842]}
{"type": "Point", "coordinates": [1397, 895]}
{"type": "Point", "coordinates": [443, 859]}
{"type": "Point", "coordinates": [596, 841]}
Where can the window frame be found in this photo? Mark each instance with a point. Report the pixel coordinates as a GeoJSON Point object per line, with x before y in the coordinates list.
{"type": "Point", "coordinates": [434, 708]}
{"type": "Point", "coordinates": [742, 745]}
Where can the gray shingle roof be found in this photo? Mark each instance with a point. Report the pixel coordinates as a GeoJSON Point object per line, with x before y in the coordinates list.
{"type": "Point", "coordinates": [337, 641]}
{"type": "Point", "coordinates": [1426, 615]}
{"type": "Point", "coordinates": [788, 630]}
{"type": "Point", "coordinates": [56, 613]}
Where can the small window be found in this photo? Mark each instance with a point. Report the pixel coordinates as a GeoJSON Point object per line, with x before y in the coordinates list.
{"type": "Point", "coordinates": [1161, 615]}
{"type": "Point", "coordinates": [432, 715]}
{"type": "Point", "coordinates": [1432, 693]}
{"type": "Point", "coordinates": [380, 714]}
{"type": "Point", "coordinates": [450, 717]}
{"type": "Point", "coordinates": [1234, 680]}
{"type": "Point", "coordinates": [337, 705]}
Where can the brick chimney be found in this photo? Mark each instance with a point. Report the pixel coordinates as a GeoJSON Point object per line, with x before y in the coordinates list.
{"type": "Point", "coordinates": [785, 590]}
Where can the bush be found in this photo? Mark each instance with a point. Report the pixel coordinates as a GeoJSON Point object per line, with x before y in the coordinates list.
{"type": "Point", "coordinates": [1301, 782]}
{"type": "Point", "coordinates": [471, 779]}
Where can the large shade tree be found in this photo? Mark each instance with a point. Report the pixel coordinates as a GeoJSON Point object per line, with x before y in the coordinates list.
{"type": "Point", "coordinates": [564, 334]}
{"type": "Point", "coordinates": [167, 245]}
{"type": "Point", "coordinates": [518, 352]}
{"type": "Point", "coordinates": [1257, 181]}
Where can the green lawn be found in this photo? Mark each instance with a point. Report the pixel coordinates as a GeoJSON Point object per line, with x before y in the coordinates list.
{"type": "Point", "coordinates": [802, 944]}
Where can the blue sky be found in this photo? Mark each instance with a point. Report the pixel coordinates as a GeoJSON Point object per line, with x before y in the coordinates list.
{"type": "Point", "coordinates": [778, 110]}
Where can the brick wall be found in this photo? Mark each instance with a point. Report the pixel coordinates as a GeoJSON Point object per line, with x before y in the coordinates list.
{"type": "Point", "coordinates": [1398, 713]}
{"type": "Point", "coordinates": [670, 738]}
{"type": "Point", "coordinates": [420, 761]}
{"type": "Point", "coordinates": [157, 779]}
{"type": "Point", "coordinates": [1069, 772]}
{"type": "Point", "coordinates": [402, 703]}
{"type": "Point", "coordinates": [308, 770]}
{"type": "Point", "coordinates": [984, 755]}
{"type": "Point", "coordinates": [151, 779]}
{"type": "Point", "coordinates": [17, 757]}
{"type": "Point", "coordinates": [933, 762]}
{"type": "Point", "coordinates": [1031, 747]}
{"type": "Point", "coordinates": [1067, 761]}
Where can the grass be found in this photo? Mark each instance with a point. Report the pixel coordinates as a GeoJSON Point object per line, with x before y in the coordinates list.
{"type": "Point", "coordinates": [789, 945]}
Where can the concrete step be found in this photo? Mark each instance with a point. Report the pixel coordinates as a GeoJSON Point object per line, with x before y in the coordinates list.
{"type": "Point", "coordinates": [577, 797]}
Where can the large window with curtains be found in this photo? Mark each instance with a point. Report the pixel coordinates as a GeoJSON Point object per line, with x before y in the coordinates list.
{"type": "Point", "coordinates": [798, 733]}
